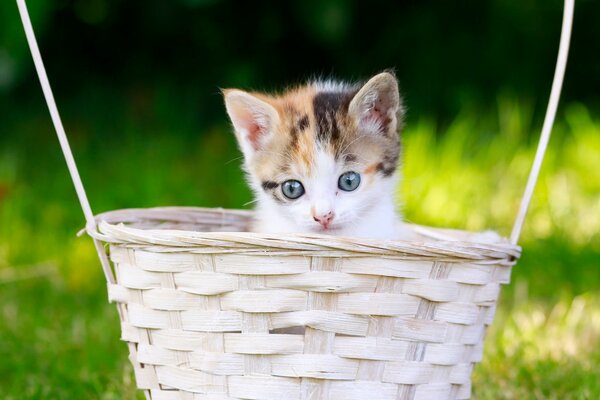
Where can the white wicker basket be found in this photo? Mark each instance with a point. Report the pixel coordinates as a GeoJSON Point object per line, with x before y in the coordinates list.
{"type": "Point", "coordinates": [205, 311]}
{"type": "Point", "coordinates": [212, 312]}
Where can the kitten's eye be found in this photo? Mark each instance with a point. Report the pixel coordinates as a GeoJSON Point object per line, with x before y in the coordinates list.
{"type": "Point", "coordinates": [349, 181]}
{"type": "Point", "coordinates": [292, 189]}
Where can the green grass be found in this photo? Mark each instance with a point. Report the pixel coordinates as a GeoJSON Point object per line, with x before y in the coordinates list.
{"type": "Point", "coordinates": [59, 338]}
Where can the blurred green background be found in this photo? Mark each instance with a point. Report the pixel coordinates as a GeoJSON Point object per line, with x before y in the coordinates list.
{"type": "Point", "coordinates": [138, 84]}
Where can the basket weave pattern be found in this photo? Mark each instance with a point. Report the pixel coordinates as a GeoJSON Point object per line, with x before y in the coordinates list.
{"type": "Point", "coordinates": [217, 315]}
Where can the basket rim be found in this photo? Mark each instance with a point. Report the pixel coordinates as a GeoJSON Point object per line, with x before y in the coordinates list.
{"type": "Point", "coordinates": [439, 244]}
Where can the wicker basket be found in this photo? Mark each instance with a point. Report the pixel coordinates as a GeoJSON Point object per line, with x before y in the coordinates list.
{"type": "Point", "coordinates": [210, 313]}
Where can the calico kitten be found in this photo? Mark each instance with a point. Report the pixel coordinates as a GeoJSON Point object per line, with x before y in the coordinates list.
{"type": "Point", "coordinates": [322, 158]}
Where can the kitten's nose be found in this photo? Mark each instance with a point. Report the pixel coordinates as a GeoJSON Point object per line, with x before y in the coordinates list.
{"type": "Point", "coordinates": [324, 219]}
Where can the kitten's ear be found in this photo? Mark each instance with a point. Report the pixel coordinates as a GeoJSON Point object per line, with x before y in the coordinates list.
{"type": "Point", "coordinates": [377, 106]}
{"type": "Point", "coordinates": [253, 119]}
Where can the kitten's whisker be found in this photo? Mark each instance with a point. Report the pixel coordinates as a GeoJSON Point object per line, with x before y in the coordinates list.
{"type": "Point", "coordinates": [234, 159]}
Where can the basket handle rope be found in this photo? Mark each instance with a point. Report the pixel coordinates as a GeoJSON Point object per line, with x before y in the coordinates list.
{"type": "Point", "coordinates": [62, 138]}
{"type": "Point", "coordinates": [559, 74]}
{"type": "Point", "coordinates": [85, 205]}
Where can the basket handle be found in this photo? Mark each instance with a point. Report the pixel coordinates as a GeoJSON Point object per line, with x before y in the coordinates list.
{"type": "Point", "coordinates": [85, 205]}
{"type": "Point", "coordinates": [559, 74]}
{"type": "Point", "coordinates": [62, 138]}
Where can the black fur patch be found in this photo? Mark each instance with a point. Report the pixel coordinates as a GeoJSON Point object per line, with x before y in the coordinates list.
{"type": "Point", "coordinates": [303, 123]}
{"type": "Point", "coordinates": [390, 160]}
{"type": "Point", "coordinates": [386, 170]}
{"type": "Point", "coordinates": [297, 127]}
{"type": "Point", "coordinates": [326, 105]}
{"type": "Point", "coordinates": [268, 185]}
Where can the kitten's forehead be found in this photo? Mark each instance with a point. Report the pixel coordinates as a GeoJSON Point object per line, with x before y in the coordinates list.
{"type": "Point", "coordinates": [331, 116]}
{"type": "Point", "coordinates": [314, 122]}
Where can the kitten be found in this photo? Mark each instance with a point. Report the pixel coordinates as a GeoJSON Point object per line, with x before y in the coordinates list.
{"type": "Point", "coordinates": [322, 158]}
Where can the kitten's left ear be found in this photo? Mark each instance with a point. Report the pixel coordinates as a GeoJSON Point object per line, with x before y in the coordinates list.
{"type": "Point", "coordinates": [377, 106]}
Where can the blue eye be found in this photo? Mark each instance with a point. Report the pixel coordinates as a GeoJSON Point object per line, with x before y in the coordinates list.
{"type": "Point", "coordinates": [349, 181]}
{"type": "Point", "coordinates": [292, 189]}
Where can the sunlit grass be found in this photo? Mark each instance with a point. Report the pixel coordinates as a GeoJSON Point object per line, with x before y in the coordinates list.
{"type": "Point", "coordinates": [473, 175]}
{"type": "Point", "coordinates": [59, 337]}
{"type": "Point", "coordinates": [543, 351]}
{"type": "Point", "coordinates": [569, 329]}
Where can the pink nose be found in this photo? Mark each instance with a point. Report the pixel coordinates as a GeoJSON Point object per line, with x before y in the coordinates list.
{"type": "Point", "coordinates": [325, 219]}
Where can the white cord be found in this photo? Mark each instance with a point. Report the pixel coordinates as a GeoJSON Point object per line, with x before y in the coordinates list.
{"type": "Point", "coordinates": [559, 74]}
{"type": "Point", "coordinates": [62, 137]}
{"type": "Point", "coordinates": [58, 126]}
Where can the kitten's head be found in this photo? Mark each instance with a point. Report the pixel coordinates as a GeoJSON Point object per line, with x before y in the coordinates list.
{"type": "Point", "coordinates": [322, 155]}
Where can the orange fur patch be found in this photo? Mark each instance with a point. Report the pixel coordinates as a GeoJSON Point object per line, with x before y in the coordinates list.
{"type": "Point", "coordinates": [371, 169]}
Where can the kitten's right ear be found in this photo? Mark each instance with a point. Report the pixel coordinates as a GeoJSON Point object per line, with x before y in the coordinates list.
{"type": "Point", "coordinates": [253, 119]}
{"type": "Point", "coordinates": [378, 106]}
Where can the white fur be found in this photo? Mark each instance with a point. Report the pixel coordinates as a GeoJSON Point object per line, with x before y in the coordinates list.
{"type": "Point", "coordinates": [331, 86]}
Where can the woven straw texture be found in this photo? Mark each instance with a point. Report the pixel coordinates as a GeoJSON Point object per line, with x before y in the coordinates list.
{"type": "Point", "coordinates": [213, 312]}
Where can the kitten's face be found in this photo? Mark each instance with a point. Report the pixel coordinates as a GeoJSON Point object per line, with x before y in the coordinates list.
{"type": "Point", "coordinates": [320, 157]}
